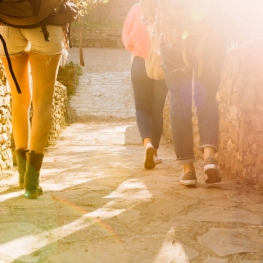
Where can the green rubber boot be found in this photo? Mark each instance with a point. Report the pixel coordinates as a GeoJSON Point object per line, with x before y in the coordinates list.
{"type": "Point", "coordinates": [33, 166]}
{"type": "Point", "coordinates": [21, 165]}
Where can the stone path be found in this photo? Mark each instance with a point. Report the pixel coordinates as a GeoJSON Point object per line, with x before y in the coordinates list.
{"type": "Point", "coordinates": [101, 206]}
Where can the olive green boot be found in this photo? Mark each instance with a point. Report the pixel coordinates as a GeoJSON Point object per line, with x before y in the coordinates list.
{"type": "Point", "coordinates": [33, 166]}
{"type": "Point", "coordinates": [21, 165]}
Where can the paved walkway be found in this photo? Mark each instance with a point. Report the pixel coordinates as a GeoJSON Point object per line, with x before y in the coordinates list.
{"type": "Point", "coordinates": [101, 206]}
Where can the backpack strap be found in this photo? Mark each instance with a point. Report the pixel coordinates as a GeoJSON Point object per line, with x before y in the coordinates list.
{"type": "Point", "coordinates": [44, 30]}
{"type": "Point", "coordinates": [10, 64]}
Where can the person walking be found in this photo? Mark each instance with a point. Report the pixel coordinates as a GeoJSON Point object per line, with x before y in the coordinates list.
{"type": "Point", "coordinates": [193, 49]}
{"type": "Point", "coordinates": [34, 61]}
{"type": "Point", "coordinates": [149, 94]}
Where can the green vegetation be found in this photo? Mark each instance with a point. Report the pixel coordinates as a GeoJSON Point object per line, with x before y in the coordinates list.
{"type": "Point", "coordinates": [94, 13]}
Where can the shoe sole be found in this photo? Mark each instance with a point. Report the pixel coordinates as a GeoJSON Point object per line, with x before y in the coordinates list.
{"type": "Point", "coordinates": [149, 162]}
{"type": "Point", "coordinates": [33, 194]}
{"type": "Point", "coordinates": [212, 176]}
{"type": "Point", "coordinates": [188, 182]}
{"type": "Point", "coordinates": [158, 161]}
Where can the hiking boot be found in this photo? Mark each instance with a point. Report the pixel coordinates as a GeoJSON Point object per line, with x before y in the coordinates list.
{"type": "Point", "coordinates": [33, 166]}
{"type": "Point", "coordinates": [211, 171]}
{"type": "Point", "coordinates": [149, 162]}
{"type": "Point", "coordinates": [189, 178]}
{"type": "Point", "coordinates": [21, 165]}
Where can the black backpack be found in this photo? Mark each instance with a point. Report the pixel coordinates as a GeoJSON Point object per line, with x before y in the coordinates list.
{"type": "Point", "coordinates": [37, 13]}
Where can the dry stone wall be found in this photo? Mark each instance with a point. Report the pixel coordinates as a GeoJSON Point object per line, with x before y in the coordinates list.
{"type": "Point", "coordinates": [5, 128]}
{"type": "Point", "coordinates": [68, 76]}
{"type": "Point", "coordinates": [97, 37]}
{"type": "Point", "coordinates": [241, 109]}
{"type": "Point", "coordinates": [110, 37]}
{"type": "Point", "coordinates": [58, 112]}
{"type": "Point", "coordinates": [167, 133]}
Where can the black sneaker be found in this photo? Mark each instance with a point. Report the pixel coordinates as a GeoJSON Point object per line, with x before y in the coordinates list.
{"type": "Point", "coordinates": [211, 171]}
{"type": "Point", "coordinates": [189, 179]}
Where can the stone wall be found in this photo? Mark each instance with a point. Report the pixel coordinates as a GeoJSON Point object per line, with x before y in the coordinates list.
{"type": "Point", "coordinates": [68, 76]}
{"type": "Point", "coordinates": [166, 121]}
{"type": "Point", "coordinates": [58, 112]}
{"type": "Point", "coordinates": [97, 37]}
{"type": "Point", "coordinates": [110, 37]}
{"type": "Point", "coordinates": [241, 109]}
{"type": "Point", "coordinates": [5, 128]}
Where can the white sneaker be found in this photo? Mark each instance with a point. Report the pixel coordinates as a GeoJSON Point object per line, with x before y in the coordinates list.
{"type": "Point", "coordinates": [149, 162]}
{"type": "Point", "coordinates": [189, 179]}
{"type": "Point", "coordinates": [157, 159]}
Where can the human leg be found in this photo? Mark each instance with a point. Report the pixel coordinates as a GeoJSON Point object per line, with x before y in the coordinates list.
{"type": "Point", "coordinates": [44, 71]}
{"type": "Point", "coordinates": [158, 101]}
{"type": "Point", "coordinates": [20, 109]}
{"type": "Point", "coordinates": [207, 106]}
{"type": "Point", "coordinates": [208, 126]}
{"type": "Point", "coordinates": [179, 83]}
{"type": "Point", "coordinates": [20, 102]}
{"type": "Point", "coordinates": [17, 46]}
{"type": "Point", "coordinates": [44, 61]}
{"type": "Point", "coordinates": [159, 93]}
{"type": "Point", "coordinates": [142, 90]}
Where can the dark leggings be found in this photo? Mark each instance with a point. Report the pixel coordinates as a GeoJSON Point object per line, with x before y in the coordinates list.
{"type": "Point", "coordinates": [149, 97]}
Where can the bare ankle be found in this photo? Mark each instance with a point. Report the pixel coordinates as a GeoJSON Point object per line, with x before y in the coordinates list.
{"type": "Point", "coordinates": [146, 141]}
{"type": "Point", "coordinates": [188, 167]}
{"type": "Point", "coordinates": [209, 152]}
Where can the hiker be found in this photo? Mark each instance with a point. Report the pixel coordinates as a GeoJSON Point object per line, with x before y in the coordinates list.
{"type": "Point", "coordinates": [149, 94]}
{"type": "Point", "coordinates": [35, 64]}
{"type": "Point", "coordinates": [193, 47]}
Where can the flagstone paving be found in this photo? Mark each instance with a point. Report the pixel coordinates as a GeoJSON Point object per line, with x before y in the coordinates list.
{"type": "Point", "coordinates": [101, 206]}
